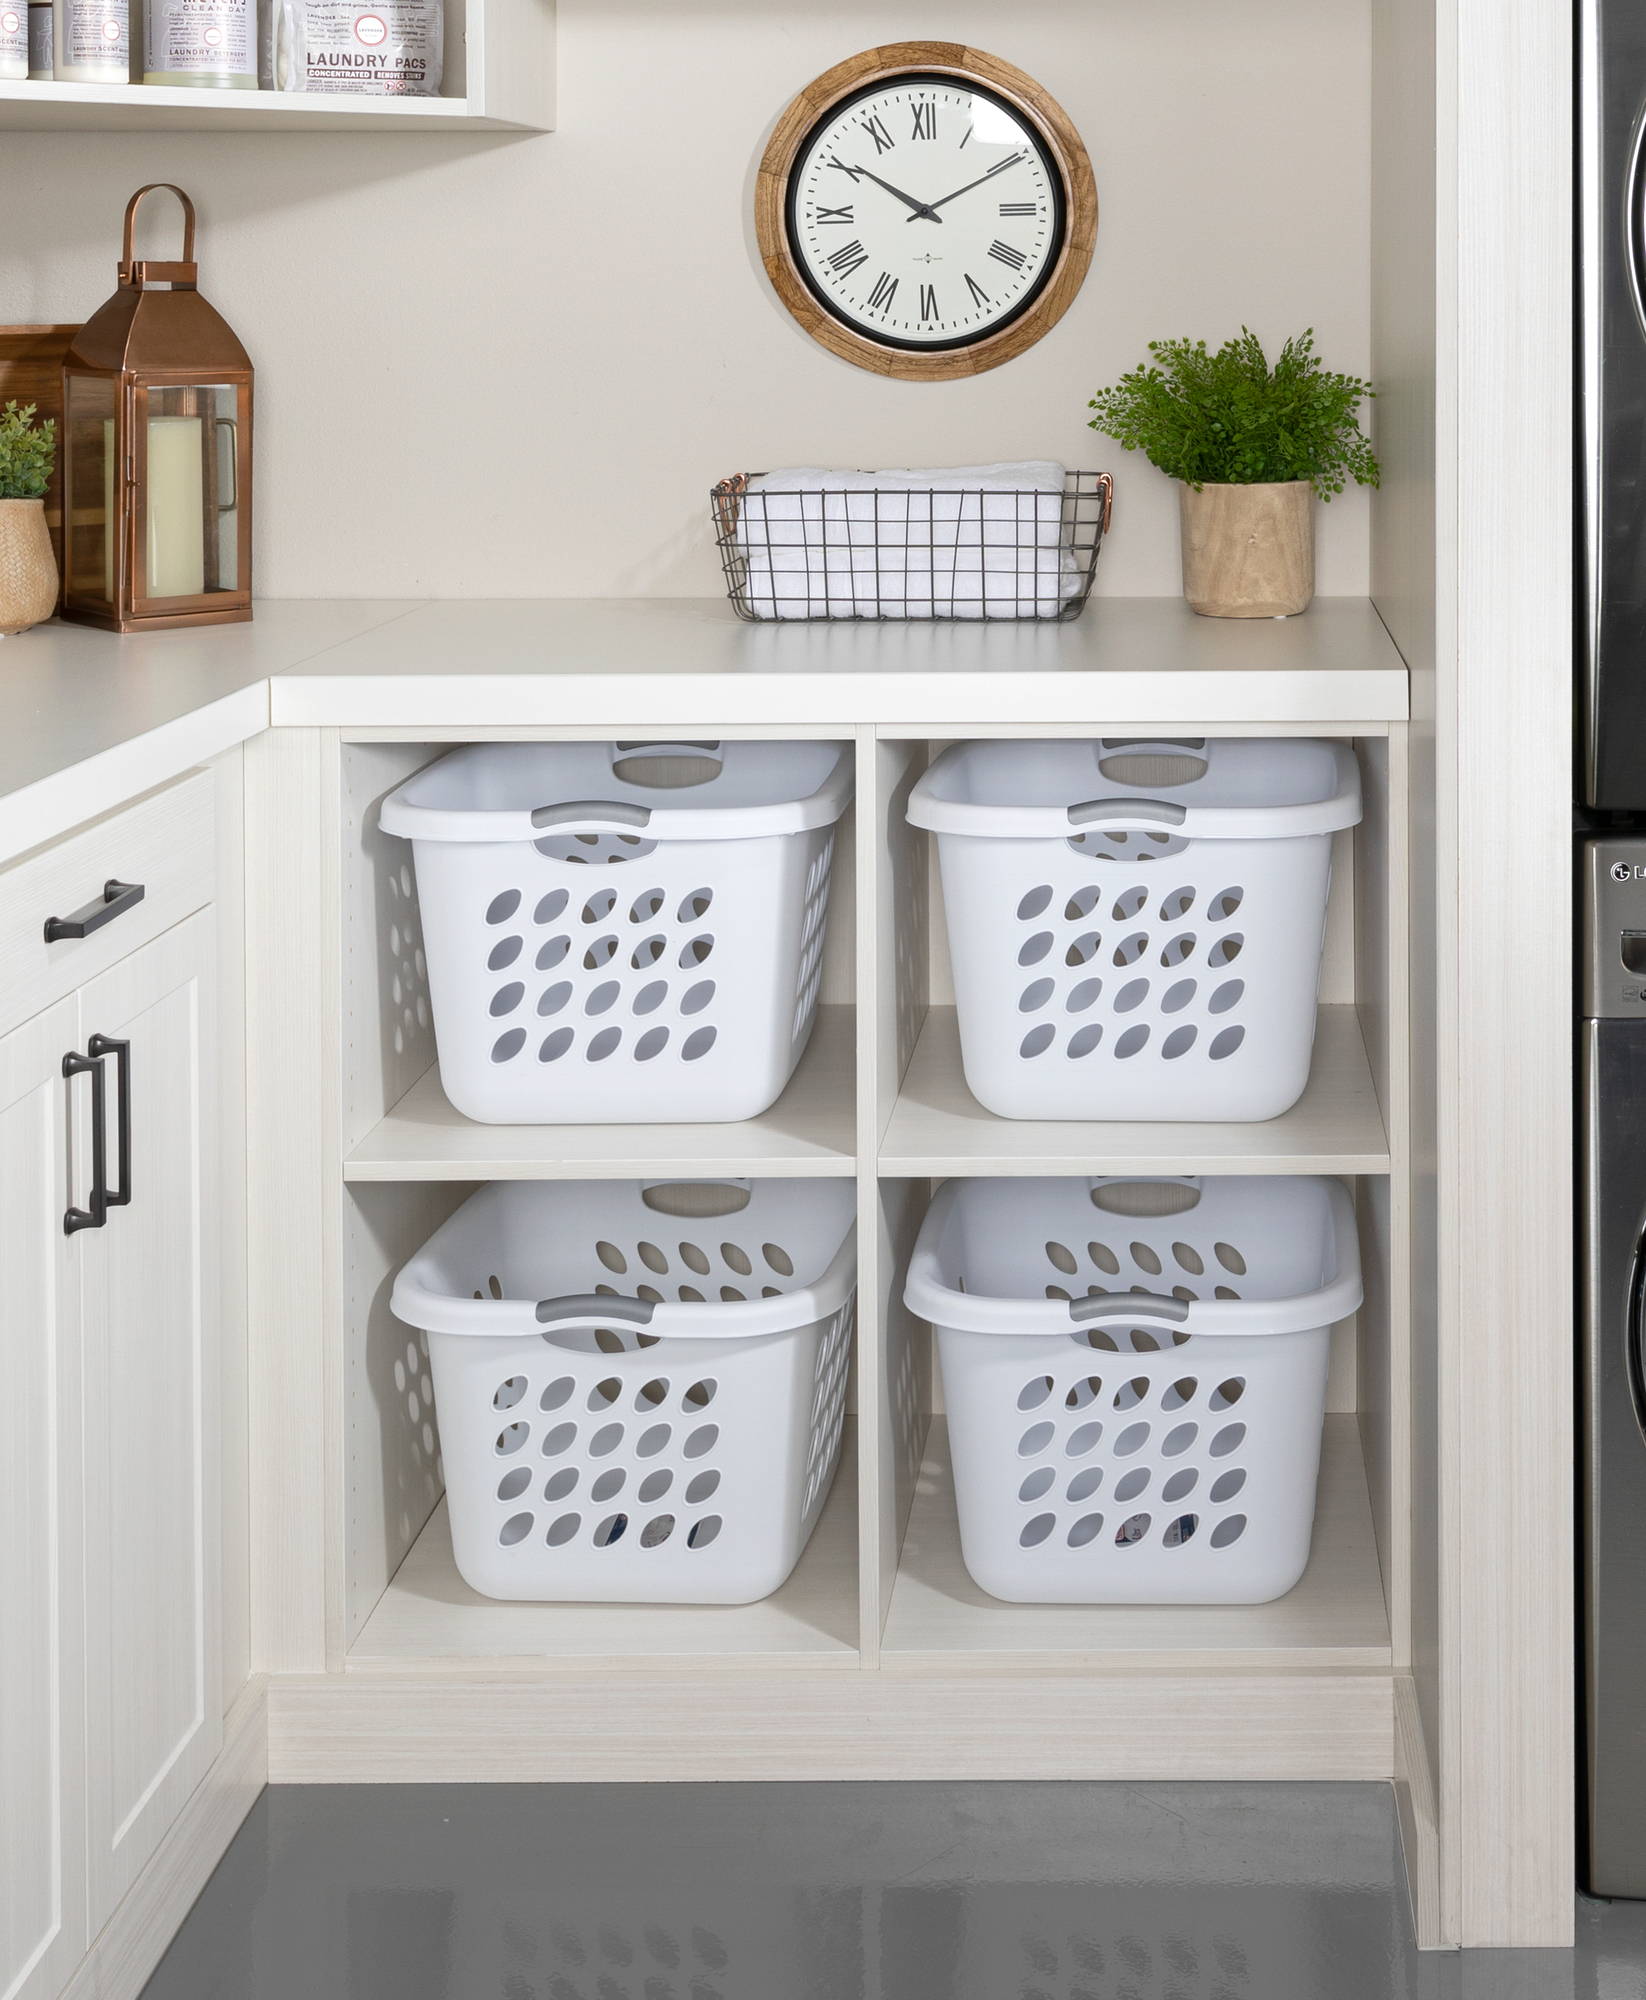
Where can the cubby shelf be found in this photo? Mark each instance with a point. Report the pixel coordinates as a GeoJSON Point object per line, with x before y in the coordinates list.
{"type": "Point", "coordinates": [810, 1130]}
{"type": "Point", "coordinates": [937, 1127]}
{"type": "Point", "coordinates": [1333, 1621]}
{"type": "Point", "coordinates": [429, 1618]}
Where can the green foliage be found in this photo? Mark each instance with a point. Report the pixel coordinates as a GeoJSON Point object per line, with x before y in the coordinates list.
{"type": "Point", "coordinates": [26, 453]}
{"type": "Point", "coordinates": [1228, 419]}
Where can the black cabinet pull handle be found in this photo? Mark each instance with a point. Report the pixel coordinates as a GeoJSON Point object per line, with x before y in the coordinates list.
{"type": "Point", "coordinates": [116, 899]}
{"type": "Point", "coordinates": [94, 1216]}
{"type": "Point", "coordinates": [106, 1045]}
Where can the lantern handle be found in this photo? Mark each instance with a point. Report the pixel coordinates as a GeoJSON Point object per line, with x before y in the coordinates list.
{"type": "Point", "coordinates": [183, 276]}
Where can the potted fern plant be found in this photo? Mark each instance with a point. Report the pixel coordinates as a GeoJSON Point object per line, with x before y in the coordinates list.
{"type": "Point", "coordinates": [1251, 448]}
{"type": "Point", "coordinates": [28, 569]}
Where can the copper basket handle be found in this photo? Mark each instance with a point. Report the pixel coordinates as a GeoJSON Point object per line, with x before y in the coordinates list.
{"type": "Point", "coordinates": [135, 273]}
{"type": "Point", "coordinates": [727, 496]}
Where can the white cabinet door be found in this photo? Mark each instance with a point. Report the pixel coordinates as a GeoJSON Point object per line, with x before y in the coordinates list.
{"type": "Point", "coordinates": [153, 1682]}
{"type": "Point", "coordinates": [42, 1823]}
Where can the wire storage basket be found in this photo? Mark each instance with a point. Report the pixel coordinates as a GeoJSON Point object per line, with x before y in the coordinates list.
{"type": "Point", "coordinates": [879, 548]}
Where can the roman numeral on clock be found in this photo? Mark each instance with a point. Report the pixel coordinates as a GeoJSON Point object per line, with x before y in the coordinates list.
{"type": "Point", "coordinates": [883, 140]}
{"type": "Point", "coordinates": [1017, 208]}
{"type": "Point", "coordinates": [928, 302]}
{"type": "Point", "coordinates": [845, 261]}
{"type": "Point", "coordinates": [979, 296]}
{"type": "Point", "coordinates": [925, 121]}
{"type": "Point", "coordinates": [885, 290]}
{"type": "Point", "coordinates": [835, 215]}
{"type": "Point", "coordinates": [1007, 255]}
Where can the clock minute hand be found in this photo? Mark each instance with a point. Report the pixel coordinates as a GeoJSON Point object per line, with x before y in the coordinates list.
{"type": "Point", "coordinates": [1015, 160]}
{"type": "Point", "coordinates": [921, 208]}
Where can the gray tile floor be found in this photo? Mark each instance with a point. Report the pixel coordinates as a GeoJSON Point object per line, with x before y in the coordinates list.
{"type": "Point", "coordinates": [842, 1892]}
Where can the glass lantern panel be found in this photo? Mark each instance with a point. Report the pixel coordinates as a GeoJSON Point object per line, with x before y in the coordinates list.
{"type": "Point", "coordinates": [190, 495]}
{"type": "Point", "coordinates": [89, 506]}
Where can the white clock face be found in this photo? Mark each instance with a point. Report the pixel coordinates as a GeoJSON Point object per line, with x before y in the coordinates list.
{"type": "Point", "coordinates": [925, 213]}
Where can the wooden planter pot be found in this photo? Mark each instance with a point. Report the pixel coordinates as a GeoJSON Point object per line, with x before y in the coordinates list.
{"type": "Point", "coordinates": [1248, 551]}
{"type": "Point", "coordinates": [28, 569]}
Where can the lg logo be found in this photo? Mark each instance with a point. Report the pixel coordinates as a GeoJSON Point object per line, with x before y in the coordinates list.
{"type": "Point", "coordinates": [1621, 871]}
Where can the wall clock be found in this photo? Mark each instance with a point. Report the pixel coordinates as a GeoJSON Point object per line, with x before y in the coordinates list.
{"type": "Point", "coordinates": [925, 210]}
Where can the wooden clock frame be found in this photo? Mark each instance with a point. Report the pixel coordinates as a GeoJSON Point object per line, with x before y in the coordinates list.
{"type": "Point", "coordinates": [1026, 97]}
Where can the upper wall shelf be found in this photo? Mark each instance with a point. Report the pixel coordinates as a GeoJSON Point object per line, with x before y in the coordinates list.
{"type": "Point", "coordinates": [499, 77]}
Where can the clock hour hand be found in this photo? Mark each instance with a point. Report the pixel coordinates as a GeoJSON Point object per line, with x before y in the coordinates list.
{"type": "Point", "coordinates": [923, 211]}
{"type": "Point", "coordinates": [1015, 160]}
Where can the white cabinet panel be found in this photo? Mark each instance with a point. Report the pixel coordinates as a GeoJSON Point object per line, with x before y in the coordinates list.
{"type": "Point", "coordinates": [42, 1840]}
{"type": "Point", "coordinates": [153, 1693]}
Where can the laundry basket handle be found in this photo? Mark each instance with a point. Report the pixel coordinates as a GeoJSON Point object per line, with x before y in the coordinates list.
{"type": "Point", "coordinates": [1097, 811]}
{"type": "Point", "coordinates": [615, 810]}
{"type": "Point", "coordinates": [593, 1305]}
{"type": "Point", "coordinates": [1126, 1305]}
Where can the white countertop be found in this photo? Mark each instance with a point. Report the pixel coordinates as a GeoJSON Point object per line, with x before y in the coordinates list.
{"type": "Point", "coordinates": [88, 720]}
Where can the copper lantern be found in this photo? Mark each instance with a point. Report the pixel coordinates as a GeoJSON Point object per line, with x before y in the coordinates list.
{"type": "Point", "coordinates": [156, 454]}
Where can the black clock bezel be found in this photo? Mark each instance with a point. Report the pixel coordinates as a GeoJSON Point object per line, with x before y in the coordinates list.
{"type": "Point", "coordinates": [948, 80]}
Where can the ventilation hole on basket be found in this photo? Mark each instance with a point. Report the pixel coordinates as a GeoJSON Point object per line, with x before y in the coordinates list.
{"type": "Point", "coordinates": [653, 1440]}
{"type": "Point", "coordinates": [559, 1484]}
{"type": "Point", "coordinates": [1130, 1042]}
{"type": "Point", "coordinates": [1033, 1394]}
{"type": "Point", "coordinates": [1145, 1198]}
{"type": "Point", "coordinates": [1228, 1439]}
{"type": "Point", "coordinates": [1180, 1531]}
{"type": "Point", "coordinates": [1178, 1043]}
{"type": "Point", "coordinates": [1228, 1484]}
{"type": "Point", "coordinates": [502, 907]}
{"type": "Point", "coordinates": [1083, 1041]}
{"type": "Point", "coordinates": [646, 906]}
{"type": "Point", "coordinates": [1132, 1439]}
{"type": "Point", "coordinates": [611, 1257]}
{"type": "Point", "coordinates": [1130, 1394]}
{"type": "Point", "coordinates": [1035, 948]}
{"type": "Point", "coordinates": [605, 1440]}
{"type": "Point", "coordinates": [1225, 1292]}
{"type": "Point", "coordinates": [1177, 997]}
{"type": "Point", "coordinates": [697, 997]}
{"type": "Point", "coordinates": [1181, 1484]}
{"type": "Point", "coordinates": [1179, 949]}
{"type": "Point", "coordinates": [1227, 1394]}
{"type": "Point", "coordinates": [1226, 950]}
{"type": "Point", "coordinates": [655, 1485]}
{"type": "Point", "coordinates": [1083, 1440]}
{"type": "Point", "coordinates": [1057, 1292]}
{"type": "Point", "coordinates": [737, 1259]}
{"type": "Point", "coordinates": [508, 1046]}
{"type": "Point", "coordinates": [652, 1257]}
{"type": "Point", "coordinates": [697, 1043]}
{"type": "Point", "coordinates": [1034, 1440]}
{"type": "Point", "coordinates": [656, 1533]}
{"type": "Point", "coordinates": [1145, 1259]}
{"type": "Point", "coordinates": [701, 1441]}
{"type": "Point", "coordinates": [604, 1394]}
{"type": "Point", "coordinates": [555, 997]}
{"type": "Point", "coordinates": [554, 1046]}
{"type": "Point", "coordinates": [1190, 1258]}
{"type": "Point", "coordinates": [691, 1295]}
{"type": "Point", "coordinates": [770, 1292]}
{"type": "Point", "coordinates": [513, 1484]}
{"type": "Point", "coordinates": [1035, 996]}
{"type": "Point", "coordinates": [504, 953]}
{"type": "Point", "coordinates": [779, 1259]}
{"type": "Point", "coordinates": [647, 953]}
{"type": "Point", "coordinates": [1104, 1258]}
{"type": "Point", "coordinates": [1095, 1337]}
{"type": "Point", "coordinates": [512, 1438]}
{"type": "Point", "coordinates": [1085, 1484]}
{"type": "Point", "coordinates": [1142, 1342]}
{"type": "Point", "coordinates": [1083, 950]}
{"type": "Point", "coordinates": [563, 1530]}
{"type": "Point", "coordinates": [599, 906]}
{"type": "Point", "coordinates": [1083, 995]}
{"type": "Point", "coordinates": [1038, 1040]}
{"type": "Point", "coordinates": [604, 1044]}
{"type": "Point", "coordinates": [704, 1532]}
{"type": "Point", "coordinates": [650, 998]}
{"type": "Point", "coordinates": [1036, 1531]}
{"type": "Point", "coordinates": [600, 953]}
{"type": "Point", "coordinates": [1180, 1394]}
{"type": "Point", "coordinates": [1062, 1257]}
{"type": "Point", "coordinates": [1182, 1292]}
{"type": "Point", "coordinates": [1178, 1441]}
{"type": "Point", "coordinates": [1229, 1530]}
{"type": "Point", "coordinates": [694, 905]}
{"type": "Point", "coordinates": [695, 951]}
{"type": "Point", "coordinates": [1226, 996]}
{"type": "Point", "coordinates": [1230, 1258]}
{"type": "Point", "coordinates": [548, 957]}
{"type": "Point", "coordinates": [694, 1259]}
{"type": "Point", "coordinates": [1224, 904]}
{"type": "Point", "coordinates": [610, 1530]}
{"type": "Point", "coordinates": [1131, 1531]}
{"type": "Point", "coordinates": [651, 1395]}
{"type": "Point", "coordinates": [1131, 996]}
{"type": "Point", "coordinates": [560, 1439]}
{"type": "Point", "coordinates": [1084, 1393]}
{"type": "Point", "coordinates": [608, 1485]}
{"type": "Point", "coordinates": [651, 1043]}
{"type": "Point", "coordinates": [1132, 1483]}
{"type": "Point", "coordinates": [1177, 905]}
{"type": "Point", "coordinates": [550, 907]}
{"type": "Point", "coordinates": [1034, 902]}
{"type": "Point", "coordinates": [1085, 1530]}
{"type": "Point", "coordinates": [730, 1295]}
{"type": "Point", "coordinates": [1081, 904]}
{"type": "Point", "coordinates": [557, 1394]}
{"type": "Point", "coordinates": [1128, 904]}
{"type": "Point", "coordinates": [701, 1394]}
{"type": "Point", "coordinates": [705, 1484]}
{"type": "Point", "coordinates": [603, 998]}
{"type": "Point", "coordinates": [1131, 949]}
{"type": "Point", "coordinates": [1227, 1042]}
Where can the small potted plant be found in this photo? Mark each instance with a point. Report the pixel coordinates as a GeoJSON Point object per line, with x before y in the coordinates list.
{"type": "Point", "coordinates": [1251, 447]}
{"type": "Point", "coordinates": [28, 570]}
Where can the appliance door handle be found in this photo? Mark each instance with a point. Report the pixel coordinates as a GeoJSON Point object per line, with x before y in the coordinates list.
{"type": "Point", "coordinates": [106, 1045]}
{"type": "Point", "coordinates": [1634, 221]}
{"type": "Point", "coordinates": [96, 1212]}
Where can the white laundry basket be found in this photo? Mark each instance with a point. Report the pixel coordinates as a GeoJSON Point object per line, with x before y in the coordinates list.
{"type": "Point", "coordinates": [640, 1384]}
{"type": "Point", "coordinates": [623, 933]}
{"type": "Point", "coordinates": [1135, 1378]}
{"type": "Point", "coordinates": [1136, 927]}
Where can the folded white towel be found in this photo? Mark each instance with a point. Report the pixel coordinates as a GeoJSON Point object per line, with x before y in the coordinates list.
{"type": "Point", "coordinates": [949, 542]}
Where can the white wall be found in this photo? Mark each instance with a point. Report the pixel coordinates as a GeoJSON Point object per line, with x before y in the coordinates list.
{"type": "Point", "coordinates": [512, 367]}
